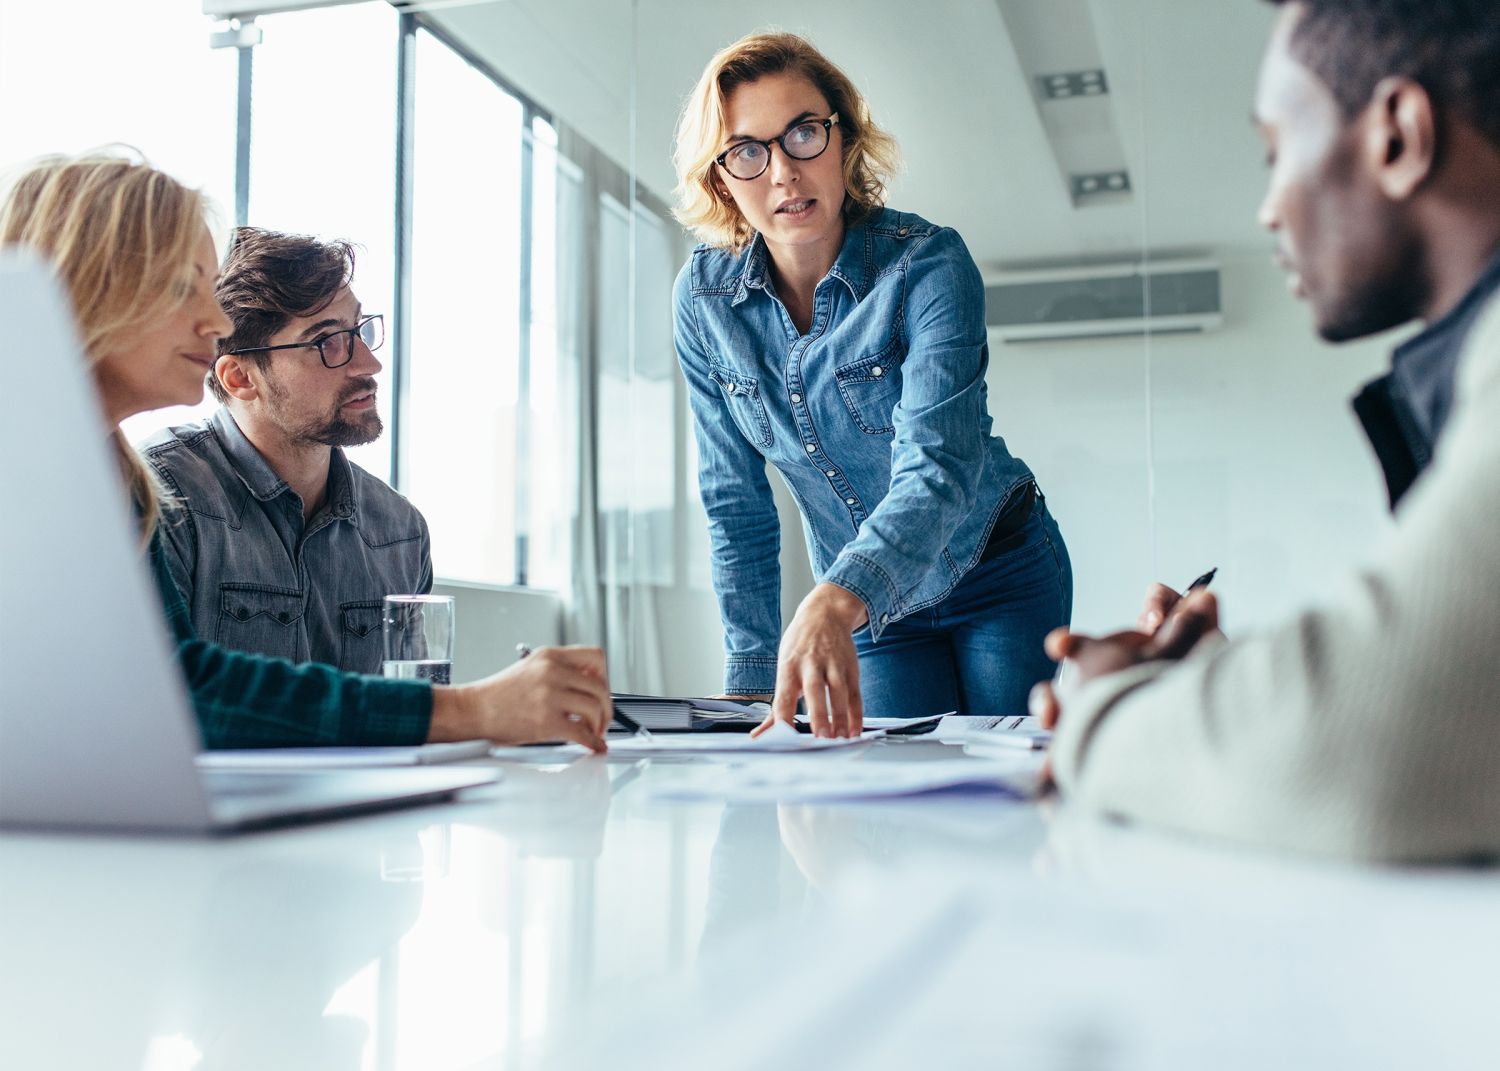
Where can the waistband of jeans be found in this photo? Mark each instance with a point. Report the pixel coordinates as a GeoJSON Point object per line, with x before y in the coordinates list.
{"type": "Point", "coordinates": [1008, 533]}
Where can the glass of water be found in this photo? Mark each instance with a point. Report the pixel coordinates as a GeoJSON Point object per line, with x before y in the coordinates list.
{"type": "Point", "coordinates": [418, 633]}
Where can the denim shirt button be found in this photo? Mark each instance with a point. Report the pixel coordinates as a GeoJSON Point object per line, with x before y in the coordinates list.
{"type": "Point", "coordinates": [812, 448]}
{"type": "Point", "coordinates": [903, 232]}
{"type": "Point", "coordinates": [848, 501]}
{"type": "Point", "coordinates": [885, 619]}
{"type": "Point", "coordinates": [877, 371]}
{"type": "Point", "coordinates": [796, 399]}
{"type": "Point", "coordinates": [732, 388]}
{"type": "Point", "coordinates": [831, 472]}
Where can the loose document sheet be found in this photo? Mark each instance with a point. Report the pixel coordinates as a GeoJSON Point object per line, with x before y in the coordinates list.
{"type": "Point", "coordinates": [808, 781]}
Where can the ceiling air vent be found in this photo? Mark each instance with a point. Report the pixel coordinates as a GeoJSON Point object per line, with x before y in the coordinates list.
{"type": "Point", "coordinates": [1105, 301]}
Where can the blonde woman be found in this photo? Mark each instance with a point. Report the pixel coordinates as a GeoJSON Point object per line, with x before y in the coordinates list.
{"type": "Point", "coordinates": [844, 343]}
{"type": "Point", "coordinates": [134, 254]}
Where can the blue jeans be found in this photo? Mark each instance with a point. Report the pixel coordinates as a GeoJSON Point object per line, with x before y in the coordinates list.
{"type": "Point", "coordinates": [978, 651]}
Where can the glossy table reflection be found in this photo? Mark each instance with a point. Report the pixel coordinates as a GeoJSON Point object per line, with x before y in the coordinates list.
{"type": "Point", "coordinates": [522, 921]}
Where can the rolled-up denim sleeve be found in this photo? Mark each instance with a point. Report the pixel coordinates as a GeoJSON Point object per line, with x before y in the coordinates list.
{"type": "Point", "coordinates": [939, 447]}
{"type": "Point", "coordinates": [743, 529]}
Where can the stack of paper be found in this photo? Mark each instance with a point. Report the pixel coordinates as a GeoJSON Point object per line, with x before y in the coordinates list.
{"type": "Point", "coordinates": [662, 712]}
{"type": "Point", "coordinates": [780, 738]}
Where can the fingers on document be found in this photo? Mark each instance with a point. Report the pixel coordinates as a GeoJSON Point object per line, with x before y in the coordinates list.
{"type": "Point", "coordinates": [818, 713]}
{"type": "Point", "coordinates": [845, 715]}
{"type": "Point", "coordinates": [784, 701]}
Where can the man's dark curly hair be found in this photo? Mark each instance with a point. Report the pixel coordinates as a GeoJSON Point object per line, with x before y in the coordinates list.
{"type": "Point", "coordinates": [1451, 48]}
{"type": "Point", "coordinates": [270, 279]}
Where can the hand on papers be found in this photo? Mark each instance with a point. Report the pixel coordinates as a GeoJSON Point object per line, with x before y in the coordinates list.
{"type": "Point", "coordinates": [559, 693]}
{"type": "Point", "coordinates": [817, 662]}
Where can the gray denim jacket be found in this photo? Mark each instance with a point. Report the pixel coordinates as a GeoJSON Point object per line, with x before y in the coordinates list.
{"type": "Point", "coordinates": [877, 418]}
{"type": "Point", "coordinates": [255, 577]}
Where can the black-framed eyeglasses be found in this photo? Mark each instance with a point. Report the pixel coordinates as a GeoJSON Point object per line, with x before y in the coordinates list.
{"type": "Point", "coordinates": [336, 348]}
{"type": "Point", "coordinates": [805, 141]}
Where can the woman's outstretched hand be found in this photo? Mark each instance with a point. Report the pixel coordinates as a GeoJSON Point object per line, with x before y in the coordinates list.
{"type": "Point", "coordinates": [817, 662]}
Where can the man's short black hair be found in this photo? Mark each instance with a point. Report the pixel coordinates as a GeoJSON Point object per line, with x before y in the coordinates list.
{"type": "Point", "coordinates": [1451, 48]}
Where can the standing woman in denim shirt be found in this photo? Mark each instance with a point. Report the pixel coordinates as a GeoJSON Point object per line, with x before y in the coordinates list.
{"type": "Point", "coordinates": [845, 343]}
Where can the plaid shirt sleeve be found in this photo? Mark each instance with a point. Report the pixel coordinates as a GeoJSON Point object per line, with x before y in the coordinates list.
{"type": "Point", "coordinates": [245, 700]}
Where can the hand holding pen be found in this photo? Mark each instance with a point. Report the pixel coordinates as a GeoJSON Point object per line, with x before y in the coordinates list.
{"type": "Point", "coordinates": [629, 724]}
{"type": "Point", "coordinates": [1162, 601]}
{"type": "Point", "coordinates": [1169, 627]}
{"type": "Point", "coordinates": [561, 694]}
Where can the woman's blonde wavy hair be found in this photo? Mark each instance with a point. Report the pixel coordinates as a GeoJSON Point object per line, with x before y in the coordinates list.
{"type": "Point", "coordinates": [121, 236]}
{"type": "Point", "coordinates": [870, 154]}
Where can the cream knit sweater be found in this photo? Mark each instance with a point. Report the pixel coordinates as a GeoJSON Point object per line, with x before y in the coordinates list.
{"type": "Point", "coordinates": [1365, 728]}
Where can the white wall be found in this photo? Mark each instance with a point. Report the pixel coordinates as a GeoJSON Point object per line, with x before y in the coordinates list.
{"type": "Point", "coordinates": [1261, 468]}
{"type": "Point", "coordinates": [490, 620]}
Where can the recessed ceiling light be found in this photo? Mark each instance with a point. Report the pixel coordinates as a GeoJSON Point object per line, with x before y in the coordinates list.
{"type": "Point", "coordinates": [1090, 82]}
{"type": "Point", "coordinates": [1101, 187]}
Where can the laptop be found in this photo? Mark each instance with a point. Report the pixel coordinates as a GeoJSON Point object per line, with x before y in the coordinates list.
{"type": "Point", "coordinates": [96, 727]}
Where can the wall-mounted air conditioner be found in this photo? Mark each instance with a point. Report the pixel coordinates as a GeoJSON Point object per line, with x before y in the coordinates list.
{"type": "Point", "coordinates": [1105, 301]}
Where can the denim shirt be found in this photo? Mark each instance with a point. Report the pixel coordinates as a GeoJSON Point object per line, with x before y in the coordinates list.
{"type": "Point", "coordinates": [247, 700]}
{"type": "Point", "coordinates": [256, 577]}
{"type": "Point", "coordinates": [876, 418]}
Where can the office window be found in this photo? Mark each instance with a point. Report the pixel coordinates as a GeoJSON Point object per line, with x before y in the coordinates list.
{"type": "Point", "coordinates": [140, 75]}
{"type": "Point", "coordinates": [548, 490]}
{"type": "Point", "coordinates": [459, 431]}
{"type": "Point", "coordinates": [323, 137]}
{"type": "Point", "coordinates": [637, 377]}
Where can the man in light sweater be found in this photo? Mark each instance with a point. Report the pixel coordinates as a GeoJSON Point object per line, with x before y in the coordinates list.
{"type": "Point", "coordinates": [1367, 727]}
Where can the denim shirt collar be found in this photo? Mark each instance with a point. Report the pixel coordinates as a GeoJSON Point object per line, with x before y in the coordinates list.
{"type": "Point", "coordinates": [852, 267]}
{"type": "Point", "coordinates": [262, 481]}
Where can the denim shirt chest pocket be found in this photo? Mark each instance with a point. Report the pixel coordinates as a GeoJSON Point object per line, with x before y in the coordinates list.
{"type": "Point", "coordinates": [871, 388]}
{"type": "Point", "coordinates": [361, 648]}
{"type": "Point", "coordinates": [261, 620]}
{"type": "Point", "coordinates": [742, 396]}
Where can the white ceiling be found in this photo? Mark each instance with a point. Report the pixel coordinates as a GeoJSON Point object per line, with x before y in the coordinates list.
{"type": "Point", "coordinates": [944, 77]}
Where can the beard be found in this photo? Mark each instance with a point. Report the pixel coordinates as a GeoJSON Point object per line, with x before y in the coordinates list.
{"type": "Point", "coordinates": [337, 431]}
{"type": "Point", "coordinates": [331, 429]}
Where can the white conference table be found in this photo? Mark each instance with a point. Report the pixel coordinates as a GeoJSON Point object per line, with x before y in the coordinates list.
{"type": "Point", "coordinates": [564, 918]}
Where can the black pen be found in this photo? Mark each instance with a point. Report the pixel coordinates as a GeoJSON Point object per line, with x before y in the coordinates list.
{"type": "Point", "coordinates": [625, 721]}
{"type": "Point", "coordinates": [1203, 581]}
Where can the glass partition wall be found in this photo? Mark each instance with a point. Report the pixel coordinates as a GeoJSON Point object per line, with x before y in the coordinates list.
{"type": "Point", "coordinates": [504, 169]}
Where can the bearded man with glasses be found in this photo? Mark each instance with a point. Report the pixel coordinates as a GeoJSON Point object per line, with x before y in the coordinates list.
{"type": "Point", "coordinates": [280, 545]}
